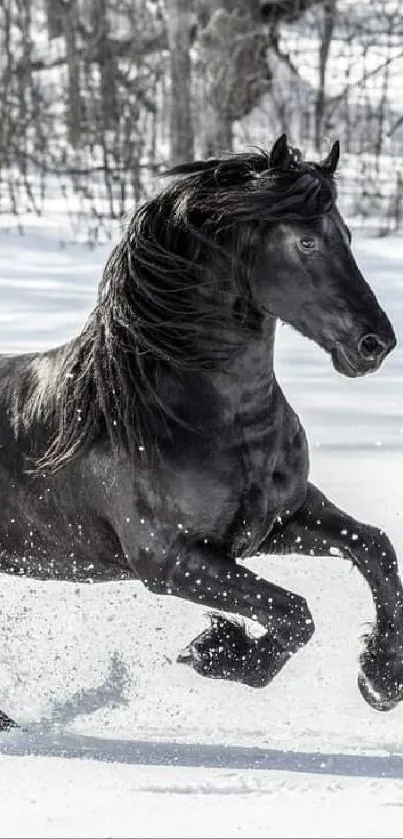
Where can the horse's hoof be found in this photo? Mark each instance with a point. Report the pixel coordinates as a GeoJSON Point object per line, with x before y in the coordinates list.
{"type": "Point", "coordinates": [374, 698]}
{"type": "Point", "coordinates": [226, 651]}
{"type": "Point", "coordinates": [219, 652]}
{"type": "Point", "coordinates": [6, 723]}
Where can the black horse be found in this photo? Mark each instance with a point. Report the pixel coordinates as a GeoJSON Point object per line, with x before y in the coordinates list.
{"type": "Point", "coordinates": [158, 444]}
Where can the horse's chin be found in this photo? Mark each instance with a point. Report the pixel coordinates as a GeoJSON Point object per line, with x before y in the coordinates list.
{"type": "Point", "coordinates": [344, 364]}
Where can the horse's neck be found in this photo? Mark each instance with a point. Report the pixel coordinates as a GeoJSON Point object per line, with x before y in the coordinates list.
{"type": "Point", "coordinates": [235, 390]}
{"type": "Point", "coordinates": [250, 371]}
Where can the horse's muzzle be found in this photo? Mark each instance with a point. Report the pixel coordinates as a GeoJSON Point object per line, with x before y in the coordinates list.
{"type": "Point", "coordinates": [366, 356]}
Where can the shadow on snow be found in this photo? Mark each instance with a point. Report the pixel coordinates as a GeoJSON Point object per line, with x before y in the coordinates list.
{"type": "Point", "coordinates": [211, 756]}
{"type": "Point", "coordinates": [47, 739]}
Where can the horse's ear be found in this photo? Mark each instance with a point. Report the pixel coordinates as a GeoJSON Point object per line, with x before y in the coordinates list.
{"type": "Point", "coordinates": [331, 161]}
{"type": "Point", "coordinates": [279, 153]}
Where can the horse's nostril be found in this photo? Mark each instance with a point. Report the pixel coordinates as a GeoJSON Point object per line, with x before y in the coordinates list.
{"type": "Point", "coordinates": [371, 347]}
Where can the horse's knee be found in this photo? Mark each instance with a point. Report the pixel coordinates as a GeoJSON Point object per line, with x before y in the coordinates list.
{"type": "Point", "coordinates": [373, 552]}
{"type": "Point", "coordinates": [156, 585]}
{"type": "Point", "coordinates": [308, 625]}
{"type": "Point", "coordinates": [152, 574]}
{"type": "Point", "coordinates": [385, 551]}
{"type": "Point", "coordinates": [301, 625]}
{"type": "Point", "coordinates": [157, 582]}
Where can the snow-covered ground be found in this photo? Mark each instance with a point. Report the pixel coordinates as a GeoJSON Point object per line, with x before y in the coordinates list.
{"type": "Point", "coordinates": [119, 740]}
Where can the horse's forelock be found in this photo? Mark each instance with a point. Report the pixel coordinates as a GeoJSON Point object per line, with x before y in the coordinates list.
{"type": "Point", "coordinates": [244, 188]}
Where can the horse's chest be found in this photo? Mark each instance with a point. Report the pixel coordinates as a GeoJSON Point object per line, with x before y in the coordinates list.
{"type": "Point", "coordinates": [275, 469]}
{"type": "Point", "coordinates": [232, 489]}
{"type": "Point", "coordinates": [258, 499]}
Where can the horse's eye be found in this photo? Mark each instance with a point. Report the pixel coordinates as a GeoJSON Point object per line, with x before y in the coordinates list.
{"type": "Point", "coordinates": [307, 243]}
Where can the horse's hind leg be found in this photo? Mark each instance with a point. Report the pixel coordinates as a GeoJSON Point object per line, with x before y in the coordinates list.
{"type": "Point", "coordinates": [320, 529]}
{"type": "Point", "coordinates": [6, 723]}
{"type": "Point", "coordinates": [198, 573]}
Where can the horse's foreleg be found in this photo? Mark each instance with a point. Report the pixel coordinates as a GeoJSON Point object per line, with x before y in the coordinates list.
{"type": "Point", "coordinates": [197, 573]}
{"type": "Point", "coordinates": [319, 528]}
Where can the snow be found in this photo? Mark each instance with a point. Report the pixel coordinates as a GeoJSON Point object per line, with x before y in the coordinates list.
{"type": "Point", "coordinates": [142, 801]}
{"type": "Point", "coordinates": [118, 740]}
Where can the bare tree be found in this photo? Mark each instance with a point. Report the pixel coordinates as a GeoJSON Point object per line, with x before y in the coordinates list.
{"type": "Point", "coordinates": [70, 32]}
{"type": "Point", "coordinates": [231, 69]}
{"type": "Point", "coordinates": [181, 125]}
{"type": "Point", "coordinates": [84, 111]}
{"type": "Point", "coordinates": [98, 95]}
{"type": "Point", "coordinates": [54, 14]}
{"type": "Point", "coordinates": [326, 29]}
{"type": "Point", "coordinates": [232, 65]}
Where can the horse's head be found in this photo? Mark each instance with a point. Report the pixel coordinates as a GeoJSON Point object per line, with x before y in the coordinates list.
{"type": "Point", "coordinates": [305, 272]}
{"type": "Point", "coordinates": [235, 240]}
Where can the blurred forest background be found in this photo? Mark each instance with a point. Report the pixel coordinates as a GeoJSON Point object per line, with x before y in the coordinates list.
{"type": "Point", "coordinates": [98, 96]}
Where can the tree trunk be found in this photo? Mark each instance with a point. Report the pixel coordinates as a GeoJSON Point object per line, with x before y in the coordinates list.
{"type": "Point", "coordinates": [231, 69]}
{"type": "Point", "coordinates": [74, 110]}
{"type": "Point", "coordinates": [106, 62]}
{"type": "Point", "coordinates": [54, 17]}
{"type": "Point", "coordinates": [181, 123]}
{"type": "Point", "coordinates": [329, 20]}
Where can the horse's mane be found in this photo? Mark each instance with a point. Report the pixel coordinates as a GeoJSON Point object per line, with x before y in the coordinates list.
{"type": "Point", "coordinates": [167, 293]}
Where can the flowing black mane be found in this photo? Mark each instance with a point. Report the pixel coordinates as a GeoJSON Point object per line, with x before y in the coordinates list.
{"type": "Point", "coordinates": [177, 280]}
